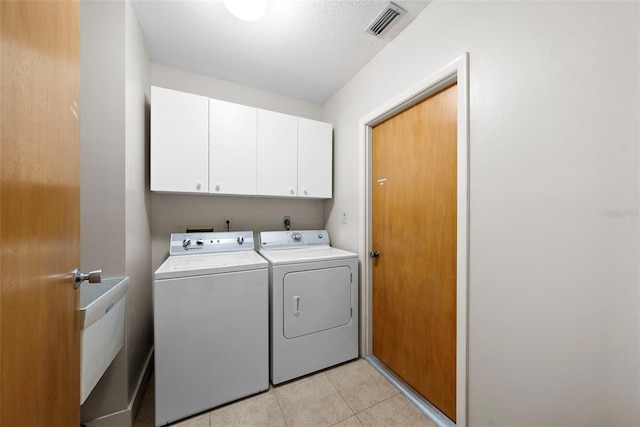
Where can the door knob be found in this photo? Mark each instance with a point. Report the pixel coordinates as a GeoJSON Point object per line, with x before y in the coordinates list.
{"type": "Point", "coordinates": [94, 276]}
{"type": "Point", "coordinates": [374, 254]}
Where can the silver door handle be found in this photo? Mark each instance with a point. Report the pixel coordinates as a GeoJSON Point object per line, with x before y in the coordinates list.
{"type": "Point", "coordinates": [374, 254]}
{"type": "Point", "coordinates": [94, 276]}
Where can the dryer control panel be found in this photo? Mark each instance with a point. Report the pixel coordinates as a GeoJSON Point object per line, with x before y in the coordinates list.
{"type": "Point", "coordinates": [210, 243]}
{"type": "Point", "coordinates": [293, 239]}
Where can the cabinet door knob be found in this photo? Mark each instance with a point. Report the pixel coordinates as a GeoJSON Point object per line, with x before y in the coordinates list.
{"type": "Point", "coordinates": [198, 186]}
{"type": "Point", "coordinates": [291, 190]}
{"type": "Point", "coordinates": [218, 186]}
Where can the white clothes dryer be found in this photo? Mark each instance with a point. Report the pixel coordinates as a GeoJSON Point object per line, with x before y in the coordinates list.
{"type": "Point", "coordinates": [211, 321]}
{"type": "Point", "coordinates": [313, 292]}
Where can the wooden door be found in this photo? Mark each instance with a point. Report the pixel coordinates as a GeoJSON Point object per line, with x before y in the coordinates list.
{"type": "Point", "coordinates": [39, 214]}
{"type": "Point", "coordinates": [414, 230]}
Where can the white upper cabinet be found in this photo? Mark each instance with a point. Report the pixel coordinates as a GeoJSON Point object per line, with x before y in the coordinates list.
{"type": "Point", "coordinates": [232, 148]}
{"type": "Point", "coordinates": [277, 154]}
{"type": "Point", "coordinates": [315, 158]}
{"type": "Point", "coordinates": [180, 147]}
{"type": "Point", "coordinates": [202, 145]}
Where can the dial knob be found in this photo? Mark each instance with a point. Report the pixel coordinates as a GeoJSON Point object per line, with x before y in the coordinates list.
{"type": "Point", "coordinates": [240, 240]}
{"type": "Point", "coordinates": [296, 236]}
{"type": "Point", "coordinates": [186, 243]}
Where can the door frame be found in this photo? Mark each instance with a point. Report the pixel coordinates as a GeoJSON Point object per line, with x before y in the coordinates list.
{"type": "Point", "coordinates": [457, 72]}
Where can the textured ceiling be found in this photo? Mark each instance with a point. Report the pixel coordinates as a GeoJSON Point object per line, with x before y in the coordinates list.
{"type": "Point", "coordinates": [305, 49]}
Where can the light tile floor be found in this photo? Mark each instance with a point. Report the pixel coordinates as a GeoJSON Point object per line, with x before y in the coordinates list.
{"type": "Point", "coordinates": [353, 394]}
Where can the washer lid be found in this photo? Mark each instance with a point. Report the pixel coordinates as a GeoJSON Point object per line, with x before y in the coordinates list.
{"type": "Point", "coordinates": [203, 264]}
{"type": "Point", "coordinates": [308, 254]}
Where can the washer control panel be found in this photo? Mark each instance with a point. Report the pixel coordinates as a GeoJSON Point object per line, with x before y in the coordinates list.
{"type": "Point", "coordinates": [293, 239]}
{"type": "Point", "coordinates": [211, 242]}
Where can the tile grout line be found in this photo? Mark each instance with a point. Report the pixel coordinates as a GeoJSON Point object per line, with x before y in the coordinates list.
{"type": "Point", "coordinates": [343, 399]}
{"type": "Point", "coordinates": [284, 418]}
{"type": "Point", "coordinates": [397, 391]}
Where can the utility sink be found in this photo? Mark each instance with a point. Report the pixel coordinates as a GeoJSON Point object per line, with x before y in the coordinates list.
{"type": "Point", "coordinates": [101, 314]}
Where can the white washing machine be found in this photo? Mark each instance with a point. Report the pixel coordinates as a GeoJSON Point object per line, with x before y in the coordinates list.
{"type": "Point", "coordinates": [211, 321]}
{"type": "Point", "coordinates": [313, 292]}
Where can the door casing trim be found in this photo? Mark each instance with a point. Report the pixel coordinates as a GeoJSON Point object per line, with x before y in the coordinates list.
{"type": "Point", "coordinates": [456, 71]}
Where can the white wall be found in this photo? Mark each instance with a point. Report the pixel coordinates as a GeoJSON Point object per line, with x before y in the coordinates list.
{"type": "Point", "coordinates": [137, 200]}
{"type": "Point", "coordinates": [115, 201]}
{"type": "Point", "coordinates": [199, 84]}
{"type": "Point", "coordinates": [172, 213]}
{"type": "Point", "coordinates": [554, 164]}
{"type": "Point", "coordinates": [102, 130]}
{"type": "Point", "coordinates": [102, 172]}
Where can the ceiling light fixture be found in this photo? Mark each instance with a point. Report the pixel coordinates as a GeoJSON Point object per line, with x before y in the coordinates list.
{"type": "Point", "coordinates": [247, 10]}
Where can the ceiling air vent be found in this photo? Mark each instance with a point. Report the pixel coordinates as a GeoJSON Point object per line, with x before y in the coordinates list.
{"type": "Point", "coordinates": [383, 21]}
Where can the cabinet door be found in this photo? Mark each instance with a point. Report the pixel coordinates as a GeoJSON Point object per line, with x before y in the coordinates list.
{"type": "Point", "coordinates": [277, 154]}
{"type": "Point", "coordinates": [179, 141]}
{"type": "Point", "coordinates": [232, 148]}
{"type": "Point", "coordinates": [315, 158]}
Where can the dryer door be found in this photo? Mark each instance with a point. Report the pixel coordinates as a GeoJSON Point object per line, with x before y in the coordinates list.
{"type": "Point", "coordinates": [316, 300]}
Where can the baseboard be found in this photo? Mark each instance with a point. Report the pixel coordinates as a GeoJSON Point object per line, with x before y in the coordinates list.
{"type": "Point", "coordinates": [141, 386]}
{"type": "Point", "coordinates": [127, 417]}
{"type": "Point", "coordinates": [118, 419]}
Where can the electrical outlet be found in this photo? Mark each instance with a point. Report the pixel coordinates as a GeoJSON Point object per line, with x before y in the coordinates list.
{"type": "Point", "coordinates": [345, 216]}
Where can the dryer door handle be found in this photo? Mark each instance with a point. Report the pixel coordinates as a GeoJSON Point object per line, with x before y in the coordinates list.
{"type": "Point", "coordinates": [296, 304]}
